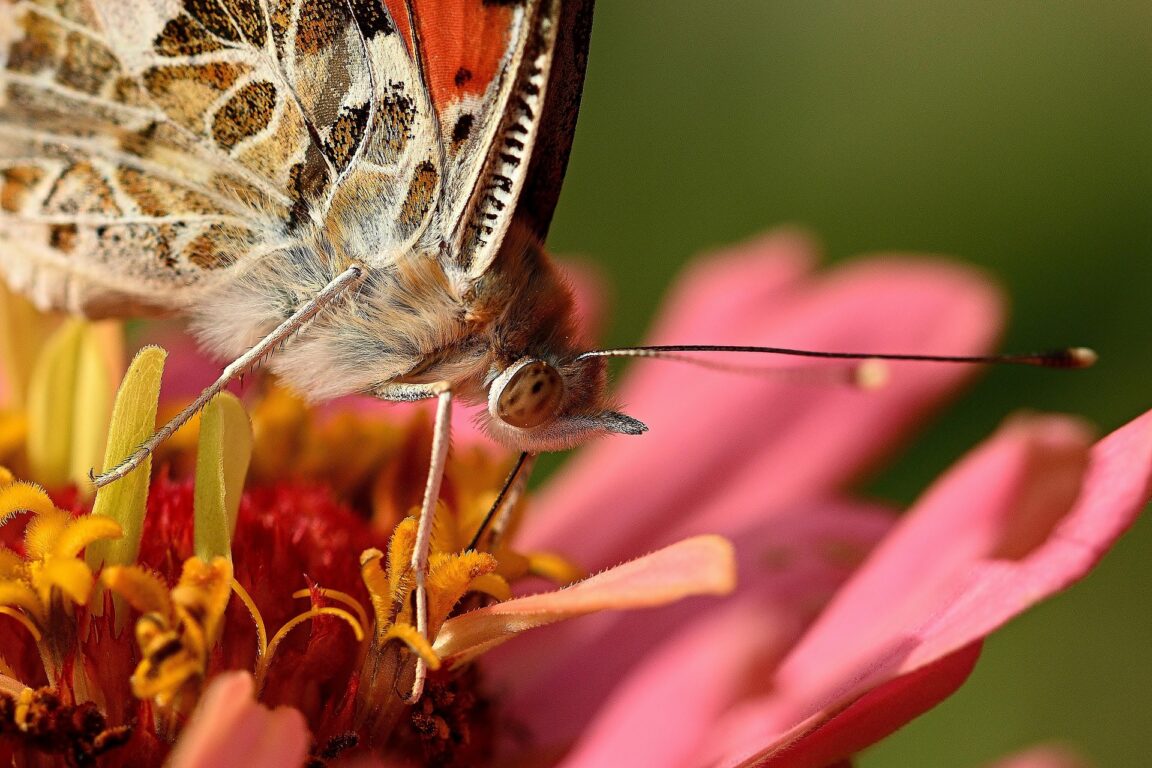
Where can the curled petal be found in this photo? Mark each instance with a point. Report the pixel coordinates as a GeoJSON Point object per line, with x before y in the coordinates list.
{"type": "Point", "coordinates": [825, 741]}
{"type": "Point", "coordinates": [790, 562]}
{"type": "Point", "coordinates": [698, 566]}
{"type": "Point", "coordinates": [229, 727]}
{"type": "Point", "coordinates": [941, 582]}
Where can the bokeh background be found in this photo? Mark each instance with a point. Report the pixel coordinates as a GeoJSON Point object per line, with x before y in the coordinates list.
{"type": "Point", "coordinates": [1012, 134]}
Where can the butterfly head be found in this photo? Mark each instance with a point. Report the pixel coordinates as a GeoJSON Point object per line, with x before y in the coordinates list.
{"type": "Point", "coordinates": [537, 405]}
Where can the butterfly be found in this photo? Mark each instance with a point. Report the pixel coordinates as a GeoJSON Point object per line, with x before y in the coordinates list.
{"type": "Point", "coordinates": [383, 171]}
{"type": "Point", "coordinates": [361, 187]}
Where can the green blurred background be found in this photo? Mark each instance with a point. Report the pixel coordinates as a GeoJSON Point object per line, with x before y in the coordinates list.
{"type": "Point", "coordinates": [1016, 135]}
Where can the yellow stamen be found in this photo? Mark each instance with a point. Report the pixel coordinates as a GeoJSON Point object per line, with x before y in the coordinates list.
{"type": "Point", "coordinates": [415, 641]}
{"type": "Point", "coordinates": [340, 613]}
{"type": "Point", "coordinates": [449, 578]}
{"type": "Point", "coordinates": [20, 497]}
{"type": "Point", "coordinates": [379, 584]}
{"type": "Point", "coordinates": [22, 620]}
{"type": "Point", "coordinates": [555, 568]}
{"type": "Point", "coordinates": [144, 590]}
{"type": "Point", "coordinates": [492, 585]}
{"type": "Point", "coordinates": [70, 576]}
{"type": "Point", "coordinates": [400, 548]}
{"type": "Point", "coordinates": [257, 619]}
{"type": "Point", "coordinates": [340, 597]}
{"type": "Point", "coordinates": [176, 640]}
{"type": "Point", "coordinates": [18, 594]}
{"type": "Point", "coordinates": [43, 531]}
{"type": "Point", "coordinates": [11, 565]}
{"type": "Point", "coordinates": [24, 703]}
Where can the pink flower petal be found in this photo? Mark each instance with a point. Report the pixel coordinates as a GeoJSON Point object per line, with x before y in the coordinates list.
{"type": "Point", "coordinates": [663, 712]}
{"type": "Point", "coordinates": [936, 585]}
{"type": "Point", "coordinates": [709, 427]}
{"type": "Point", "coordinates": [704, 565]}
{"type": "Point", "coordinates": [1042, 757]}
{"type": "Point", "coordinates": [790, 563]}
{"type": "Point", "coordinates": [824, 739]}
{"type": "Point", "coordinates": [229, 727]}
{"type": "Point", "coordinates": [915, 572]}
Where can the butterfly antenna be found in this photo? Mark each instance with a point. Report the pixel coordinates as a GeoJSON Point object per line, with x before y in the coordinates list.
{"type": "Point", "coordinates": [1069, 357]}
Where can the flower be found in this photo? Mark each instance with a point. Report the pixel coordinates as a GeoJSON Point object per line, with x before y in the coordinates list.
{"type": "Point", "coordinates": [847, 622]}
{"type": "Point", "coordinates": [205, 577]}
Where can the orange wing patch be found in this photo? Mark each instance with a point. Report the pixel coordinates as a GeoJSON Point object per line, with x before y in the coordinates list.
{"type": "Point", "coordinates": [463, 43]}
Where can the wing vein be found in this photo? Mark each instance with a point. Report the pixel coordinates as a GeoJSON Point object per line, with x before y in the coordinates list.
{"type": "Point", "coordinates": [92, 149]}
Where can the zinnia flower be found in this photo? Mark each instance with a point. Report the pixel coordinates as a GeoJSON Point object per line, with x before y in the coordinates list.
{"type": "Point", "coordinates": [125, 614]}
{"type": "Point", "coordinates": [847, 622]}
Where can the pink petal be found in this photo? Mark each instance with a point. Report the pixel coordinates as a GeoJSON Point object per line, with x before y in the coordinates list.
{"type": "Point", "coordinates": [704, 565]}
{"type": "Point", "coordinates": [1042, 757]}
{"type": "Point", "coordinates": [229, 727]}
{"type": "Point", "coordinates": [825, 740]}
{"type": "Point", "coordinates": [664, 710]}
{"type": "Point", "coordinates": [936, 585]}
{"type": "Point", "coordinates": [765, 438]}
{"type": "Point", "coordinates": [790, 564]}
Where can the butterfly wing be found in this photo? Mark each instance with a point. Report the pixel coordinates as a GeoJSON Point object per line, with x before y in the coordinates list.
{"type": "Point", "coordinates": [486, 67]}
{"type": "Point", "coordinates": [149, 147]}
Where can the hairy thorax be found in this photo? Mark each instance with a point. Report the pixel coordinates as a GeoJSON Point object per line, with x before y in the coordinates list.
{"type": "Point", "coordinates": [409, 322]}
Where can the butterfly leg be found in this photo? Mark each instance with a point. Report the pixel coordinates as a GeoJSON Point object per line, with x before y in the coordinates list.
{"type": "Point", "coordinates": [519, 484]}
{"type": "Point", "coordinates": [235, 369]}
{"type": "Point", "coordinates": [492, 527]}
{"type": "Point", "coordinates": [441, 432]}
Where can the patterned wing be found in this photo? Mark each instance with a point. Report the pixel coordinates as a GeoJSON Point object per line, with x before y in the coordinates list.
{"type": "Point", "coordinates": [148, 147]}
{"type": "Point", "coordinates": [485, 66]}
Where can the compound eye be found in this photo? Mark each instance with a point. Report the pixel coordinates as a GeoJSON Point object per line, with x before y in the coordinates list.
{"type": "Point", "coordinates": [531, 396]}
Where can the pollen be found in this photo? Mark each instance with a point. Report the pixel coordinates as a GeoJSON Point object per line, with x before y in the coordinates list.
{"type": "Point", "coordinates": [40, 719]}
